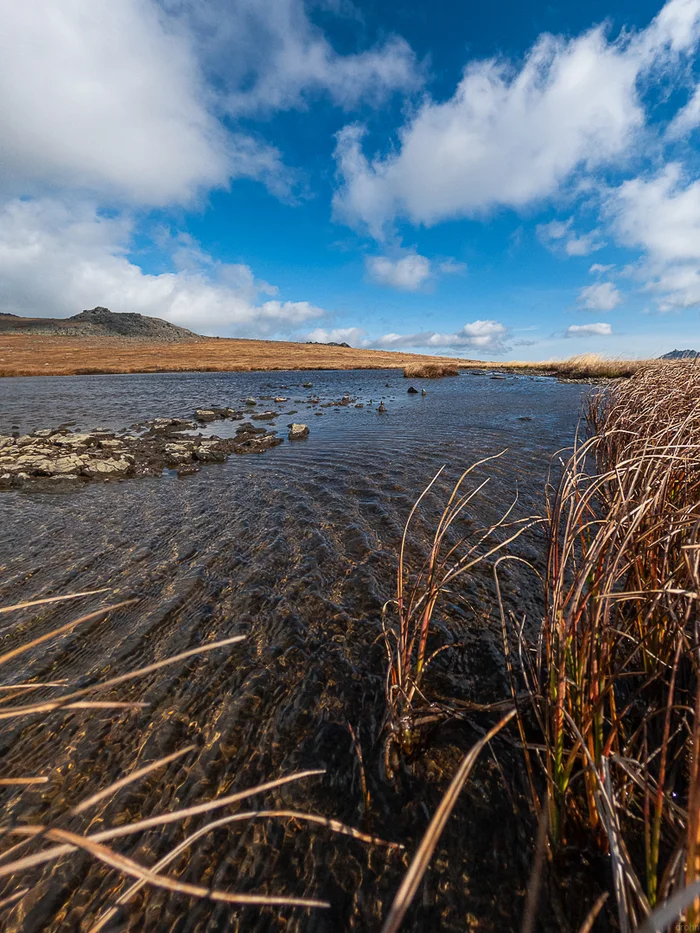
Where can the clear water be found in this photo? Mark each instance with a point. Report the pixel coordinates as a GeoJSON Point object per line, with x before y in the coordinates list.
{"type": "Point", "coordinates": [295, 549]}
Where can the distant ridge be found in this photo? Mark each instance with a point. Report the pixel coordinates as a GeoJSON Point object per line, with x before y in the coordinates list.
{"type": "Point", "coordinates": [97, 322]}
{"type": "Point", "coordinates": [681, 355]}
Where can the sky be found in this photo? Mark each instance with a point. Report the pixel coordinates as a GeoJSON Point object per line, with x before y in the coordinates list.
{"type": "Point", "coordinates": [485, 180]}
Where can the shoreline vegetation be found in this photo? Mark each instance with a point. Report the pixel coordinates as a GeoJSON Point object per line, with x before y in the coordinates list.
{"type": "Point", "coordinates": [602, 700]}
{"type": "Point", "coordinates": [41, 355]}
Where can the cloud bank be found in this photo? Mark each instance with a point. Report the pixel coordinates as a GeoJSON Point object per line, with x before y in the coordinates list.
{"type": "Point", "coordinates": [58, 258]}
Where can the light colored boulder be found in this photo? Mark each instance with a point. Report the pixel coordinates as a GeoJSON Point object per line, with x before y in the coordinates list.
{"type": "Point", "coordinates": [105, 468]}
{"type": "Point", "coordinates": [298, 431]}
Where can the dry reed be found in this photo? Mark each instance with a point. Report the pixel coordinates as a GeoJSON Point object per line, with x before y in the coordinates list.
{"type": "Point", "coordinates": [408, 619]}
{"type": "Point", "coordinates": [429, 370]}
{"type": "Point", "coordinates": [614, 678]}
{"type": "Point", "coordinates": [23, 842]}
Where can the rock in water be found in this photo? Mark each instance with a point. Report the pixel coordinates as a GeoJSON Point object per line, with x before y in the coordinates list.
{"type": "Point", "coordinates": [412, 391]}
{"type": "Point", "coordinates": [298, 431]}
{"type": "Point", "coordinates": [382, 408]}
{"type": "Point", "coordinates": [423, 392]}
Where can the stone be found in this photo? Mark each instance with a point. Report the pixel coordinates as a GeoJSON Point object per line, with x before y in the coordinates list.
{"type": "Point", "coordinates": [308, 385]}
{"type": "Point", "coordinates": [6, 441]}
{"type": "Point", "coordinates": [5, 480]}
{"type": "Point", "coordinates": [44, 432]}
{"type": "Point", "coordinates": [205, 415]}
{"type": "Point", "coordinates": [423, 392]}
{"type": "Point", "coordinates": [105, 468]}
{"type": "Point", "coordinates": [382, 408]}
{"type": "Point", "coordinates": [107, 443]}
{"type": "Point", "coordinates": [412, 391]}
{"type": "Point", "coordinates": [265, 416]}
{"type": "Point", "coordinates": [25, 440]}
{"type": "Point", "coordinates": [279, 399]}
{"type": "Point", "coordinates": [65, 465]}
{"type": "Point", "coordinates": [250, 401]}
{"type": "Point", "coordinates": [73, 440]}
{"type": "Point", "coordinates": [298, 431]}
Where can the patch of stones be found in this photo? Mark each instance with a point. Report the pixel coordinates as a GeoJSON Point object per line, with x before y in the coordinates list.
{"type": "Point", "coordinates": [147, 449]}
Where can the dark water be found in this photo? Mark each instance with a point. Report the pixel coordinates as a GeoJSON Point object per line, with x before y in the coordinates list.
{"type": "Point", "coordinates": [295, 549]}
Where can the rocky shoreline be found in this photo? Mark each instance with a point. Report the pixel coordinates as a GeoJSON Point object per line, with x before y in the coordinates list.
{"type": "Point", "coordinates": [145, 449]}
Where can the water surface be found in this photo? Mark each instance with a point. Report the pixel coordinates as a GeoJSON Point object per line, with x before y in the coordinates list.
{"type": "Point", "coordinates": [295, 549]}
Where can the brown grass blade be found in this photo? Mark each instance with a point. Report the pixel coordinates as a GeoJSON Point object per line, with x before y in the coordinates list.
{"type": "Point", "coordinates": [53, 599]}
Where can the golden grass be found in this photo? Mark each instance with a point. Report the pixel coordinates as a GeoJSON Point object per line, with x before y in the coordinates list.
{"type": "Point", "coordinates": [585, 366]}
{"type": "Point", "coordinates": [429, 370]}
{"type": "Point", "coordinates": [35, 355]}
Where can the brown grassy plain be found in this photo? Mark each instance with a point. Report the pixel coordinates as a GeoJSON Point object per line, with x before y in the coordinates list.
{"type": "Point", "coordinates": [39, 355]}
{"type": "Point", "coordinates": [36, 355]}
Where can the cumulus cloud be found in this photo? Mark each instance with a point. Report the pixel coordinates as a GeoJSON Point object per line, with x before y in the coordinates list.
{"type": "Point", "coordinates": [589, 330]}
{"type": "Point", "coordinates": [268, 55]}
{"type": "Point", "coordinates": [603, 296]}
{"type": "Point", "coordinates": [661, 215]}
{"type": "Point", "coordinates": [486, 336]}
{"type": "Point", "coordinates": [599, 268]}
{"type": "Point", "coordinates": [559, 235]}
{"type": "Point", "coordinates": [355, 336]}
{"type": "Point", "coordinates": [56, 259]}
{"type": "Point", "coordinates": [101, 96]}
{"type": "Point", "coordinates": [408, 272]}
{"type": "Point", "coordinates": [512, 136]}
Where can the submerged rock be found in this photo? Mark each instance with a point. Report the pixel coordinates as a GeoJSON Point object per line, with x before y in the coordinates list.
{"type": "Point", "coordinates": [412, 391]}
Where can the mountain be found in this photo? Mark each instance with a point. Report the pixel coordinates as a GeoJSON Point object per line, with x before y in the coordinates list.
{"type": "Point", "coordinates": [97, 322]}
{"type": "Point", "coordinates": [681, 355]}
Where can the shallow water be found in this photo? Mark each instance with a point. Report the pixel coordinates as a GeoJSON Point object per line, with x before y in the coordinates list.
{"type": "Point", "coordinates": [295, 549]}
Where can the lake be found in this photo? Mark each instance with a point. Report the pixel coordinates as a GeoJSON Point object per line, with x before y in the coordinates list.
{"type": "Point", "coordinates": [296, 549]}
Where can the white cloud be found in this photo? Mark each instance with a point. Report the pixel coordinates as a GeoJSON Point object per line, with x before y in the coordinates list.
{"type": "Point", "coordinates": [408, 273]}
{"type": "Point", "coordinates": [559, 235]}
{"type": "Point", "coordinates": [599, 269]}
{"type": "Point", "coordinates": [102, 96]}
{"type": "Point", "coordinates": [267, 55]}
{"type": "Point", "coordinates": [56, 259]}
{"type": "Point", "coordinates": [512, 136]}
{"type": "Point", "coordinates": [687, 119]}
{"type": "Point", "coordinates": [661, 215]}
{"type": "Point", "coordinates": [603, 296]}
{"type": "Point", "coordinates": [452, 267]}
{"type": "Point", "coordinates": [589, 330]}
{"type": "Point", "coordinates": [355, 336]}
{"type": "Point", "coordinates": [487, 336]}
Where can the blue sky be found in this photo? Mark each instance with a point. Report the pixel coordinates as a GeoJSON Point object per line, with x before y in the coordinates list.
{"type": "Point", "coordinates": [513, 180]}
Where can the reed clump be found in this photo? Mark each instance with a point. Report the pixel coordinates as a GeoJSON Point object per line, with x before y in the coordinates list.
{"type": "Point", "coordinates": [614, 677]}
{"type": "Point", "coordinates": [412, 637]}
{"type": "Point", "coordinates": [429, 370]}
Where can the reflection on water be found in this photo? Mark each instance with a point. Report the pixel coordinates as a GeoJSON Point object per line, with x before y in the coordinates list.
{"type": "Point", "coordinates": [295, 549]}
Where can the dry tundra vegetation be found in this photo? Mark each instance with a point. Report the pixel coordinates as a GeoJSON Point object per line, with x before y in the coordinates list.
{"type": "Point", "coordinates": [604, 702]}
{"type": "Point", "coordinates": [38, 355]}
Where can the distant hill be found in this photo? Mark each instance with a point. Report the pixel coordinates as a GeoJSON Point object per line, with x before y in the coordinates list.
{"type": "Point", "coordinates": [97, 322]}
{"type": "Point", "coordinates": [681, 355]}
